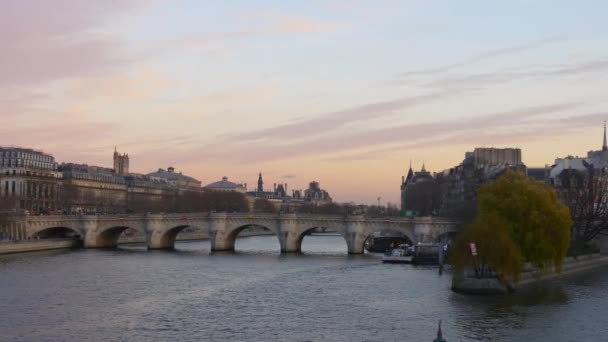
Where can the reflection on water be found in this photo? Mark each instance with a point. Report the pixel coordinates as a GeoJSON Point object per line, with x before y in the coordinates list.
{"type": "Point", "coordinates": [257, 294]}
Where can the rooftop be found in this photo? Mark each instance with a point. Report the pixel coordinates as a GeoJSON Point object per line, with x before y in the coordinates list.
{"type": "Point", "coordinates": [170, 174]}
{"type": "Point", "coordinates": [223, 184]}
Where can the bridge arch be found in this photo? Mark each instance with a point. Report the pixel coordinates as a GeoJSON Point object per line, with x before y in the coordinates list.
{"type": "Point", "coordinates": [107, 236]}
{"type": "Point", "coordinates": [165, 238]}
{"type": "Point", "coordinates": [295, 238]}
{"type": "Point", "coordinates": [226, 240]}
{"type": "Point", "coordinates": [57, 232]}
{"type": "Point", "coordinates": [357, 240]}
{"type": "Point", "coordinates": [390, 234]}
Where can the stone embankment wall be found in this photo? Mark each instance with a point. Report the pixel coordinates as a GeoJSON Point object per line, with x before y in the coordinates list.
{"type": "Point", "coordinates": [530, 276]}
{"type": "Point", "coordinates": [11, 247]}
{"type": "Point", "coordinates": [570, 266]}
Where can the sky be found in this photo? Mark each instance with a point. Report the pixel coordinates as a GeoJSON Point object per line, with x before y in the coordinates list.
{"type": "Point", "coordinates": [344, 92]}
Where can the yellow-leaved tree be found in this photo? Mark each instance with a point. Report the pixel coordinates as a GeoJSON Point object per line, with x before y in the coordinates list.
{"type": "Point", "coordinates": [518, 220]}
{"type": "Point", "coordinates": [497, 253]}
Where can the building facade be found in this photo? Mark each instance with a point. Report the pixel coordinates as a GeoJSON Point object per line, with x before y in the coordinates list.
{"type": "Point", "coordinates": [92, 189]}
{"type": "Point", "coordinates": [453, 192]}
{"type": "Point", "coordinates": [314, 194]}
{"type": "Point", "coordinates": [29, 180]}
{"type": "Point", "coordinates": [417, 193]}
{"type": "Point", "coordinates": [595, 160]}
{"type": "Point", "coordinates": [459, 185]}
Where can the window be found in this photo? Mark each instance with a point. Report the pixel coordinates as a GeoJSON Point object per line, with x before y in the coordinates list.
{"type": "Point", "coordinates": [13, 188]}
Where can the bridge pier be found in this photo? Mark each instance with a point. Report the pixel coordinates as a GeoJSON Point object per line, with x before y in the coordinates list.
{"type": "Point", "coordinates": [156, 236]}
{"type": "Point", "coordinates": [289, 242]}
{"type": "Point", "coordinates": [355, 241]}
{"type": "Point", "coordinates": [218, 233]}
{"type": "Point", "coordinates": [289, 236]}
{"type": "Point", "coordinates": [355, 234]}
{"type": "Point", "coordinates": [91, 236]}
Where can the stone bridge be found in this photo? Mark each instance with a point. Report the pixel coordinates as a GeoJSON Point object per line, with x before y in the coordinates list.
{"type": "Point", "coordinates": [161, 230]}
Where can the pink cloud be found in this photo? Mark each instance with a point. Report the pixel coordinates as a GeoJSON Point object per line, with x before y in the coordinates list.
{"type": "Point", "coordinates": [44, 41]}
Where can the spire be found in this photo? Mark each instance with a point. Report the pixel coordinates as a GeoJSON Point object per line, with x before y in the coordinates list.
{"type": "Point", "coordinates": [410, 173]}
{"type": "Point", "coordinates": [605, 146]}
{"type": "Point", "coordinates": [423, 168]}
{"type": "Point", "coordinates": [439, 332]}
{"type": "Point", "coordinates": [260, 183]}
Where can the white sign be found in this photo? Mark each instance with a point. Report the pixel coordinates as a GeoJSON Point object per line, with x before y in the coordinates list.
{"type": "Point", "coordinates": [473, 248]}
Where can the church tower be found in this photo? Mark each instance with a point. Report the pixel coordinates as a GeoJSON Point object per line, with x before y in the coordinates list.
{"type": "Point", "coordinates": [121, 163]}
{"type": "Point", "coordinates": [260, 183]}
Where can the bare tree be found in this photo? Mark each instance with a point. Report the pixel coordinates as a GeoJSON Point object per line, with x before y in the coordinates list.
{"type": "Point", "coordinates": [224, 201]}
{"type": "Point", "coordinates": [330, 209]}
{"type": "Point", "coordinates": [263, 205]}
{"type": "Point", "coordinates": [586, 194]}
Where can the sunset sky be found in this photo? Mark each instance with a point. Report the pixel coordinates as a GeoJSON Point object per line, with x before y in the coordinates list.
{"type": "Point", "coordinates": [344, 92]}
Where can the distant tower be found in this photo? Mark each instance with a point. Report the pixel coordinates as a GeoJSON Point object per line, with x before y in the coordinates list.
{"type": "Point", "coordinates": [260, 183]}
{"type": "Point", "coordinates": [121, 163]}
{"type": "Point", "coordinates": [605, 146]}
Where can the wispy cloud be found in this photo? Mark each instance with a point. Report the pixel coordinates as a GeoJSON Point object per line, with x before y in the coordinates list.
{"type": "Point", "coordinates": [278, 149]}
{"type": "Point", "coordinates": [478, 58]}
{"type": "Point", "coordinates": [533, 129]}
{"type": "Point", "coordinates": [598, 65]}
{"type": "Point", "coordinates": [331, 121]}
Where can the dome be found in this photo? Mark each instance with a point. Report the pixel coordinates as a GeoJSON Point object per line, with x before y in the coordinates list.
{"type": "Point", "coordinates": [223, 184]}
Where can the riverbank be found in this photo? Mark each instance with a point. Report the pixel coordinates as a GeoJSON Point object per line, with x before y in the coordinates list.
{"type": "Point", "coordinates": [571, 266]}
{"type": "Point", "coordinates": [37, 245]}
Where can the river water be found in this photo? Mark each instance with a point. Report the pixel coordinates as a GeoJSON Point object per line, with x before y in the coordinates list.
{"type": "Point", "coordinates": [256, 294]}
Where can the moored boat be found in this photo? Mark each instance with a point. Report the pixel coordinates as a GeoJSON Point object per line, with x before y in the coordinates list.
{"type": "Point", "coordinates": [426, 254]}
{"type": "Point", "coordinates": [380, 244]}
{"type": "Point", "coordinates": [403, 254]}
